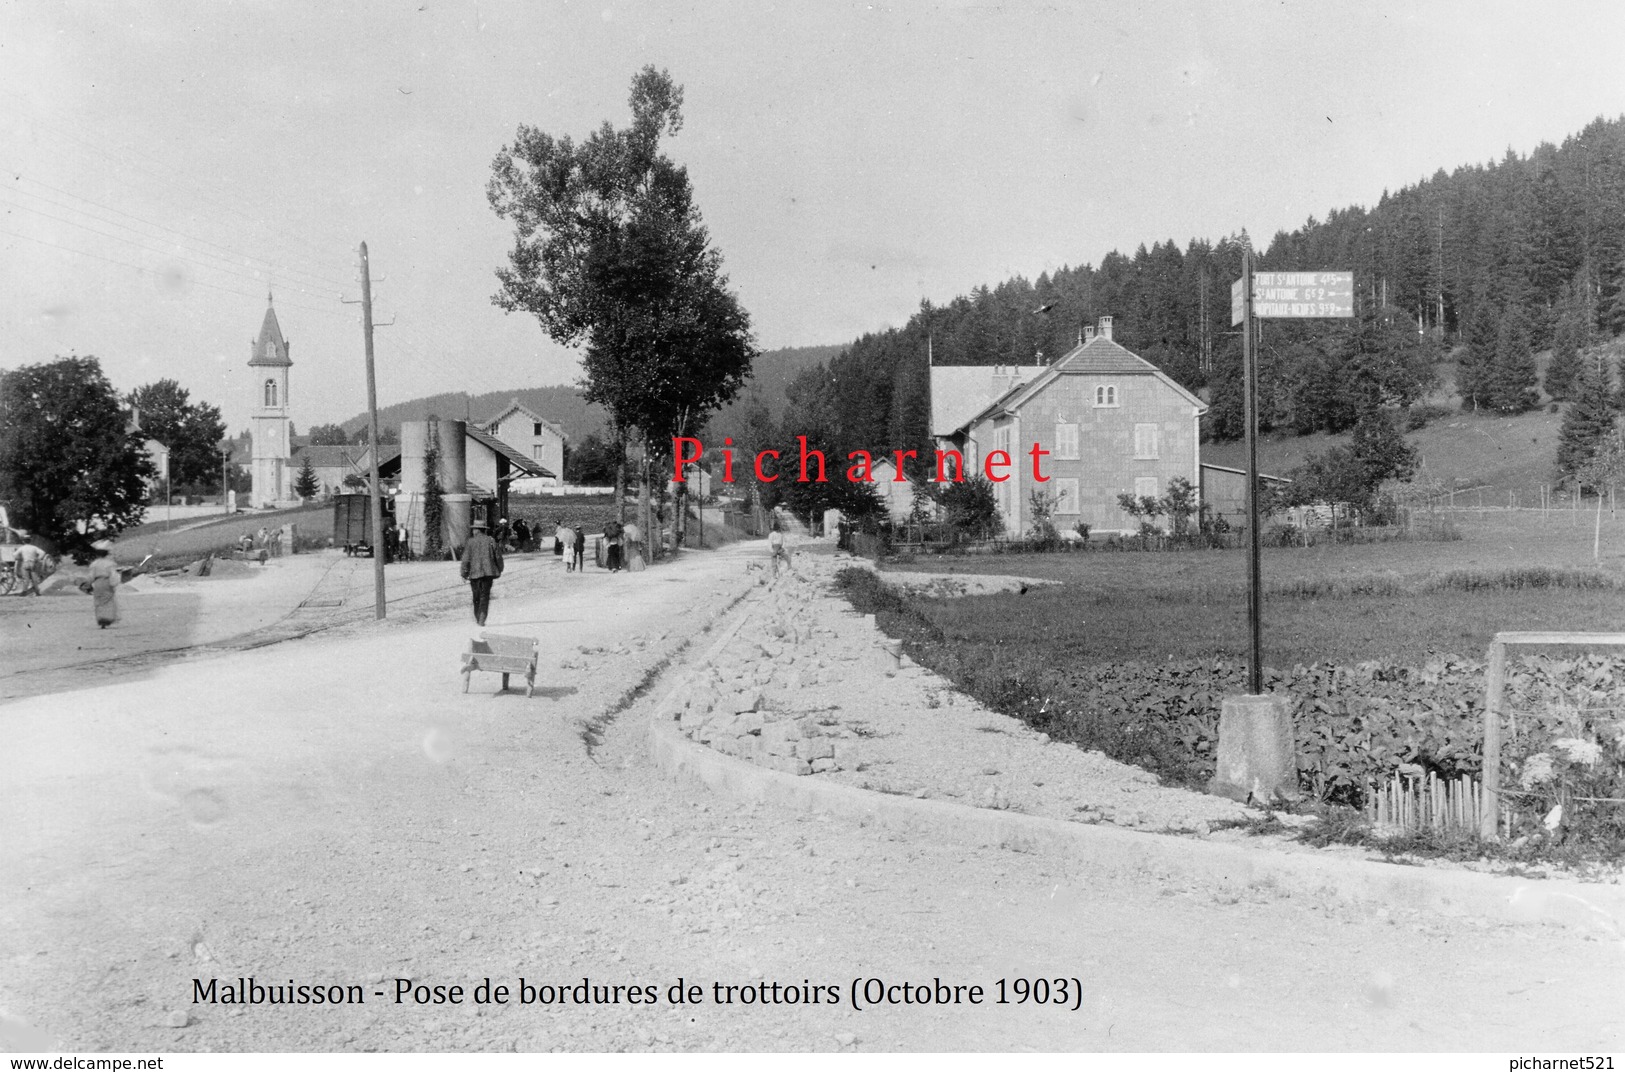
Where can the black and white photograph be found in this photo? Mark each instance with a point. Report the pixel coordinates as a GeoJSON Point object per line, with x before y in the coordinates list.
{"type": "Point", "coordinates": [719, 528]}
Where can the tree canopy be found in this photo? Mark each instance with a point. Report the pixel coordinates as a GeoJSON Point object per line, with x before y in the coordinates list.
{"type": "Point", "coordinates": [191, 430]}
{"type": "Point", "coordinates": [66, 456]}
{"type": "Point", "coordinates": [610, 253]}
{"type": "Point", "coordinates": [329, 435]}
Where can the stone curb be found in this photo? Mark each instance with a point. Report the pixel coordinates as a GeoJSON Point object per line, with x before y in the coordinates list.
{"type": "Point", "coordinates": [1111, 849]}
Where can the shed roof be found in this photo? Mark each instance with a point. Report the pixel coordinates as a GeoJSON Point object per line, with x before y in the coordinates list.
{"type": "Point", "coordinates": [527, 466]}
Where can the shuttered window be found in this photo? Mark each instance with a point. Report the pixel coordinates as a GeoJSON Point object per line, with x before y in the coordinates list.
{"type": "Point", "coordinates": [1145, 441]}
{"type": "Point", "coordinates": [1066, 441]}
{"type": "Point", "coordinates": [1066, 492]}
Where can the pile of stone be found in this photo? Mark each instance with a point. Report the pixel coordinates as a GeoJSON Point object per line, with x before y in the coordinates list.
{"type": "Point", "coordinates": [751, 698]}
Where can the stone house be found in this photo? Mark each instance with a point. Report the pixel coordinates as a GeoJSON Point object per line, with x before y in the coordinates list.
{"type": "Point", "coordinates": [1110, 421]}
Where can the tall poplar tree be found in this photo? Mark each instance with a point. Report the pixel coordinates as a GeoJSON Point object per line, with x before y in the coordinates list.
{"type": "Point", "coordinates": [610, 253]}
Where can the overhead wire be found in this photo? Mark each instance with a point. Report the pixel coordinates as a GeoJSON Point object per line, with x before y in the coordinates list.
{"type": "Point", "coordinates": [152, 272]}
{"type": "Point", "coordinates": [246, 258]}
{"type": "Point", "coordinates": [149, 249]}
{"type": "Point", "coordinates": [195, 191]}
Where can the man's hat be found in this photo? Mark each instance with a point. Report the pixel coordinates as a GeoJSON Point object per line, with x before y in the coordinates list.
{"type": "Point", "coordinates": [479, 524]}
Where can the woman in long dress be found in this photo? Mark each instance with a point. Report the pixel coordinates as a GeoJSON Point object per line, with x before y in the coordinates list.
{"type": "Point", "coordinates": [104, 583]}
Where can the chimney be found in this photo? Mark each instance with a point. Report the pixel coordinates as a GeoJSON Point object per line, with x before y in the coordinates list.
{"type": "Point", "coordinates": [1089, 334]}
{"type": "Point", "coordinates": [1106, 328]}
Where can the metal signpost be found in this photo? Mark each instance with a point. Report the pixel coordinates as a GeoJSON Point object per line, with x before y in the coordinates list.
{"type": "Point", "coordinates": [1272, 295]}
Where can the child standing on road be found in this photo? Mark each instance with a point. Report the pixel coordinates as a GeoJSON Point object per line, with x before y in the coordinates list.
{"type": "Point", "coordinates": [578, 550]}
{"type": "Point", "coordinates": [565, 539]}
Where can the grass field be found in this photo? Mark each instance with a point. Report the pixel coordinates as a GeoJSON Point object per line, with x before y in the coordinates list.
{"type": "Point", "coordinates": [1344, 603]}
{"type": "Point", "coordinates": [550, 511]}
{"type": "Point", "coordinates": [185, 541]}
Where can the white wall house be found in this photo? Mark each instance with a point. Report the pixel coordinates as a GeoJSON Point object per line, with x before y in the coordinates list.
{"type": "Point", "coordinates": [532, 435]}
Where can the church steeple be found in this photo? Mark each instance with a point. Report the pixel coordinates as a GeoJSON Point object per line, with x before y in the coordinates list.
{"type": "Point", "coordinates": [270, 348]}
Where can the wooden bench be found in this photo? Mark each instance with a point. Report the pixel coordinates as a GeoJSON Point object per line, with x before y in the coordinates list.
{"type": "Point", "coordinates": [502, 655]}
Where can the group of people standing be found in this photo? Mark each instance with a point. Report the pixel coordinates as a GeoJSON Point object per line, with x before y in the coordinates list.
{"type": "Point", "coordinates": [269, 542]}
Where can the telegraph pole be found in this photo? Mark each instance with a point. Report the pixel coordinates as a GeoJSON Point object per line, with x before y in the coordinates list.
{"type": "Point", "coordinates": [376, 503]}
{"type": "Point", "coordinates": [1255, 590]}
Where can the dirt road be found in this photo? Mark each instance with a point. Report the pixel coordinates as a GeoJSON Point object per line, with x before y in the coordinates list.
{"type": "Point", "coordinates": [334, 810]}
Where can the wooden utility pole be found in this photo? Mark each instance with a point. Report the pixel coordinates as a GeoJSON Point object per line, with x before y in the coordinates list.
{"type": "Point", "coordinates": [1255, 589]}
{"type": "Point", "coordinates": [375, 497]}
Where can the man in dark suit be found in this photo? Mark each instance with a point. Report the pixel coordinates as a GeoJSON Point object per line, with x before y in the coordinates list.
{"type": "Point", "coordinates": [482, 564]}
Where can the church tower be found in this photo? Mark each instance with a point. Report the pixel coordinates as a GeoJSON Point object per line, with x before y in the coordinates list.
{"type": "Point", "coordinates": [268, 357]}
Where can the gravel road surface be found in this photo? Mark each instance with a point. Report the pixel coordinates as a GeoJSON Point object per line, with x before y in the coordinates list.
{"type": "Point", "coordinates": [334, 810]}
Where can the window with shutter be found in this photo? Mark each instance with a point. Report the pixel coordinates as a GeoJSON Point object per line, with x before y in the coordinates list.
{"type": "Point", "coordinates": [1066, 441]}
{"type": "Point", "coordinates": [1066, 492]}
{"type": "Point", "coordinates": [1145, 441]}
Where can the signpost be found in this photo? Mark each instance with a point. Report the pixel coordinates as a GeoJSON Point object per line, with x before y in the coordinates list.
{"type": "Point", "coordinates": [1295, 295]}
{"type": "Point", "coordinates": [1255, 757]}
{"type": "Point", "coordinates": [1274, 296]}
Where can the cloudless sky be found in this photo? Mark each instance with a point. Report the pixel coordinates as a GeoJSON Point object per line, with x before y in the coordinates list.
{"type": "Point", "coordinates": [164, 164]}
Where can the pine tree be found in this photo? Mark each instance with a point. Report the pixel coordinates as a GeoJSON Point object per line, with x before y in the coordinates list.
{"type": "Point", "coordinates": [306, 485]}
{"type": "Point", "coordinates": [1587, 421]}
{"type": "Point", "coordinates": [1566, 342]}
{"type": "Point", "coordinates": [1512, 379]}
{"type": "Point", "coordinates": [1473, 370]}
{"type": "Point", "coordinates": [1380, 450]}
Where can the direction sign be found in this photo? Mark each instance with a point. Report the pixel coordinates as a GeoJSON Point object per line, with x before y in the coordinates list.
{"type": "Point", "coordinates": [1289, 295]}
{"type": "Point", "coordinates": [1238, 303]}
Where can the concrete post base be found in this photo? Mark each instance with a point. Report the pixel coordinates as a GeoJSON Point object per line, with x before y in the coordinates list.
{"type": "Point", "coordinates": [1257, 758]}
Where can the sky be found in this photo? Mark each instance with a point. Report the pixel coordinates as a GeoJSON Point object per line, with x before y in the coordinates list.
{"type": "Point", "coordinates": [164, 166]}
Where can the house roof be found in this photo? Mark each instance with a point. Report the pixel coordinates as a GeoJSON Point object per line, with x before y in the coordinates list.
{"type": "Point", "coordinates": [1100, 354]}
{"type": "Point", "coordinates": [331, 457]}
{"type": "Point", "coordinates": [1094, 357]}
{"type": "Point", "coordinates": [960, 392]}
{"type": "Point", "coordinates": [516, 406]}
{"type": "Point", "coordinates": [389, 461]}
{"type": "Point", "coordinates": [998, 407]}
{"type": "Point", "coordinates": [270, 348]}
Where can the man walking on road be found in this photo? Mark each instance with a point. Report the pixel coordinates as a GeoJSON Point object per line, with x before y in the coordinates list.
{"type": "Point", "coordinates": [482, 564]}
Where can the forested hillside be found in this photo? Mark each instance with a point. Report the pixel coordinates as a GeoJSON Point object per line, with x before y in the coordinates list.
{"type": "Point", "coordinates": [563, 404]}
{"type": "Point", "coordinates": [1504, 258]}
